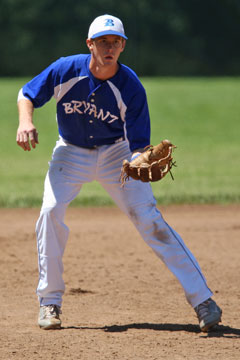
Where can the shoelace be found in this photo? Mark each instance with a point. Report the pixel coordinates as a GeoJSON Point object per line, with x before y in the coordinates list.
{"type": "Point", "coordinates": [203, 309]}
{"type": "Point", "coordinates": [52, 310]}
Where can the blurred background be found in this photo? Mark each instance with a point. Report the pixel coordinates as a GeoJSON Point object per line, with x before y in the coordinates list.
{"type": "Point", "coordinates": [187, 56]}
{"type": "Point", "coordinates": [166, 37]}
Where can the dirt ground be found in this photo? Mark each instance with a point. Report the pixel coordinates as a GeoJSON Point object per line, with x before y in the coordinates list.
{"type": "Point", "coordinates": [121, 302]}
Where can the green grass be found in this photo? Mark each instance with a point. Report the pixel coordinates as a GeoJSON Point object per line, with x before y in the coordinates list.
{"type": "Point", "coordinates": [199, 115]}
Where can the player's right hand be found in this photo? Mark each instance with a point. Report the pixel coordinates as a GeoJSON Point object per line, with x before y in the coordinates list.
{"type": "Point", "coordinates": [27, 135]}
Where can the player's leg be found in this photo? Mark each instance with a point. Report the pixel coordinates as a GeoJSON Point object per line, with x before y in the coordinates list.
{"type": "Point", "coordinates": [69, 169]}
{"type": "Point", "coordinates": [137, 201]}
{"type": "Point", "coordinates": [52, 234]}
{"type": "Point", "coordinates": [163, 239]}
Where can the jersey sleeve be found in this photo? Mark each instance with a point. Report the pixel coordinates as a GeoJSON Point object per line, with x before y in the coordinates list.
{"type": "Point", "coordinates": [41, 88]}
{"type": "Point", "coordinates": [138, 121]}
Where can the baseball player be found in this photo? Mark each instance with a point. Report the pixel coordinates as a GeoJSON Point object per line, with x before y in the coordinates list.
{"type": "Point", "coordinates": [103, 118]}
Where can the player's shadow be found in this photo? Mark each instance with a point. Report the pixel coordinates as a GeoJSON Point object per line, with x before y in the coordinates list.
{"type": "Point", "coordinates": [218, 331]}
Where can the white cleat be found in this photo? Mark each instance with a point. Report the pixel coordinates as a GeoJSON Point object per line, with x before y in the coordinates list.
{"type": "Point", "coordinates": [49, 317]}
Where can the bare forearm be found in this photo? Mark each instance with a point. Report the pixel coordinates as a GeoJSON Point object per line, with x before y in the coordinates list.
{"type": "Point", "coordinates": [25, 111]}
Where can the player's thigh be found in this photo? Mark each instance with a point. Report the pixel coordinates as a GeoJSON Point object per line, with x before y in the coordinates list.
{"type": "Point", "coordinates": [110, 159]}
{"type": "Point", "coordinates": [134, 197]}
{"type": "Point", "coordinates": [69, 169]}
{"type": "Point", "coordinates": [58, 187]}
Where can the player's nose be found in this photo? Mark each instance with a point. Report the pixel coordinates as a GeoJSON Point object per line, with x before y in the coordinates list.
{"type": "Point", "coordinates": [110, 45]}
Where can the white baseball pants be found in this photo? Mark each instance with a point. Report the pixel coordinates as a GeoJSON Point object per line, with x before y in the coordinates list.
{"type": "Point", "coordinates": [70, 168]}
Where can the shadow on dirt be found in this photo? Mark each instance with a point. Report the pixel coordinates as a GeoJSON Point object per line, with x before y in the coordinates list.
{"type": "Point", "coordinates": [217, 331]}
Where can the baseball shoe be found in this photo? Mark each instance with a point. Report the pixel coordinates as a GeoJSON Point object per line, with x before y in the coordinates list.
{"type": "Point", "coordinates": [49, 317]}
{"type": "Point", "coordinates": [209, 314]}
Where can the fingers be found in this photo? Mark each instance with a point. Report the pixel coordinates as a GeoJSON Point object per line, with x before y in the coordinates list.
{"type": "Point", "coordinates": [22, 141]}
{"type": "Point", "coordinates": [24, 138]}
{"type": "Point", "coordinates": [135, 155]}
{"type": "Point", "coordinates": [33, 137]}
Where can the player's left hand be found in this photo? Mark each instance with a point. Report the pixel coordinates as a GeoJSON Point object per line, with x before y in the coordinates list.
{"type": "Point", "coordinates": [151, 165]}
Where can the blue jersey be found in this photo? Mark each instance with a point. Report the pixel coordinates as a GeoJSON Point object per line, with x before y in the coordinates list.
{"type": "Point", "coordinates": [92, 112]}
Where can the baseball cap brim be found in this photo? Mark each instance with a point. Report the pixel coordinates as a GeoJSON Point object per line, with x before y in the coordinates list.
{"type": "Point", "coordinates": [108, 32]}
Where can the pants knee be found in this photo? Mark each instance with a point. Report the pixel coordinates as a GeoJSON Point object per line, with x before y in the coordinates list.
{"type": "Point", "coordinates": [146, 217]}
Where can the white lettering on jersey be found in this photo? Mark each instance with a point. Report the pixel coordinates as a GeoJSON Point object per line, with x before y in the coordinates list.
{"type": "Point", "coordinates": [101, 115]}
{"type": "Point", "coordinates": [93, 110]}
{"type": "Point", "coordinates": [87, 106]}
{"type": "Point", "coordinates": [76, 106]}
{"type": "Point", "coordinates": [113, 118]}
{"type": "Point", "coordinates": [67, 108]}
{"type": "Point", "coordinates": [83, 107]}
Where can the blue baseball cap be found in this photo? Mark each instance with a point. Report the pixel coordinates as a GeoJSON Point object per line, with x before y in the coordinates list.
{"type": "Point", "coordinates": [106, 25]}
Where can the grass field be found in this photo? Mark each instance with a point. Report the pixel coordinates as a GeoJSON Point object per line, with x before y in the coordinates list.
{"type": "Point", "coordinates": [199, 115]}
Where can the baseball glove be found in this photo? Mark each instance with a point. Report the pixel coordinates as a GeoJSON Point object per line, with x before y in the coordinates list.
{"type": "Point", "coordinates": [151, 165]}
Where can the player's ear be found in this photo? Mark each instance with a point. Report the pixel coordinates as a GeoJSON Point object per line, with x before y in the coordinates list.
{"type": "Point", "coordinates": [89, 43]}
{"type": "Point", "coordinates": [123, 45]}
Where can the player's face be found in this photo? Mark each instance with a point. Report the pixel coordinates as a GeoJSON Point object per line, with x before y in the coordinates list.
{"type": "Point", "coordinates": [106, 49]}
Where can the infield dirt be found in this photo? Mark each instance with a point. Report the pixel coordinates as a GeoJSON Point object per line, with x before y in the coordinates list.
{"type": "Point", "coordinates": [121, 302]}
